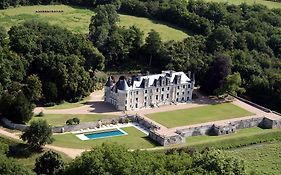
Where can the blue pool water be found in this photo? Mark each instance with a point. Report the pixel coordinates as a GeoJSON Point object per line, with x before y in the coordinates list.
{"type": "Point", "coordinates": [104, 134]}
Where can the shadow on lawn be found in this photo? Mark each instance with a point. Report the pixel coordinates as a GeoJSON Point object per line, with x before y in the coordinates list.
{"type": "Point", "coordinates": [100, 107]}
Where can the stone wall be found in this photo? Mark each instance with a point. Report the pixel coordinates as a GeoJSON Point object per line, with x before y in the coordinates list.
{"type": "Point", "coordinates": [166, 140]}
{"type": "Point", "coordinates": [7, 123]}
{"type": "Point", "coordinates": [143, 122]}
{"type": "Point", "coordinates": [227, 128]}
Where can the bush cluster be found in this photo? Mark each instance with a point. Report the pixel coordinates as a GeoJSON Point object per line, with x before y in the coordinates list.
{"type": "Point", "coordinates": [73, 121]}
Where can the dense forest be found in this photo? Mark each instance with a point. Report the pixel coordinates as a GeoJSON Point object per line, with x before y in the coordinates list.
{"type": "Point", "coordinates": [46, 64]}
{"type": "Point", "coordinates": [113, 159]}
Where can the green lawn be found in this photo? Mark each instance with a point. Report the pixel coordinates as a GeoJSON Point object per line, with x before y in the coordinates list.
{"type": "Point", "coordinates": [22, 156]}
{"type": "Point", "coordinates": [197, 115]}
{"type": "Point", "coordinates": [134, 140]}
{"type": "Point", "coordinates": [263, 159]}
{"type": "Point", "coordinates": [60, 119]}
{"type": "Point", "coordinates": [78, 19]}
{"type": "Point", "coordinates": [269, 4]}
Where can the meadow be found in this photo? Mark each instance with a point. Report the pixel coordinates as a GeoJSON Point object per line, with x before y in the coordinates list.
{"type": "Point", "coordinates": [77, 20]}
{"type": "Point", "coordinates": [197, 115]}
{"type": "Point", "coordinates": [269, 4]}
{"type": "Point", "coordinates": [263, 159]}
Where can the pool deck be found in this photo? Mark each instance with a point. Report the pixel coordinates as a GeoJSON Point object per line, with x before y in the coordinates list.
{"type": "Point", "coordinates": [81, 134]}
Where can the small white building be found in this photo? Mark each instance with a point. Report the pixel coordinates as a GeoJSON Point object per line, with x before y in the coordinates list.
{"type": "Point", "coordinates": [148, 91]}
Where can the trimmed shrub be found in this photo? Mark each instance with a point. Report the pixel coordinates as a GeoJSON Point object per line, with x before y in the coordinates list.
{"type": "Point", "coordinates": [69, 121]}
{"type": "Point", "coordinates": [76, 121]}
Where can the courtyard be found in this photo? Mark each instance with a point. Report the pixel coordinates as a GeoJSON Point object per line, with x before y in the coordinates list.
{"type": "Point", "coordinates": [197, 115]}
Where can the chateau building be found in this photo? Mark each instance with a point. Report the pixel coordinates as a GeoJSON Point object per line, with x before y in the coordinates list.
{"type": "Point", "coordinates": [138, 92]}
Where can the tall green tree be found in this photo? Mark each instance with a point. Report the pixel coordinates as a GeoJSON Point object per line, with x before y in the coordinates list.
{"type": "Point", "coordinates": [38, 134]}
{"type": "Point", "coordinates": [231, 85]}
{"type": "Point", "coordinates": [50, 163]}
{"type": "Point", "coordinates": [33, 87]}
{"type": "Point", "coordinates": [219, 69]}
{"type": "Point", "coordinates": [153, 44]}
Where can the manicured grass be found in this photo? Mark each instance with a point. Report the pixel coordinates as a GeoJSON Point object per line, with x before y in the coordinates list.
{"type": "Point", "coordinates": [263, 158]}
{"type": "Point", "coordinates": [60, 119]}
{"type": "Point", "coordinates": [199, 115]}
{"type": "Point", "coordinates": [21, 156]}
{"type": "Point", "coordinates": [134, 140]}
{"type": "Point", "coordinates": [78, 19]}
{"type": "Point", "coordinates": [269, 4]}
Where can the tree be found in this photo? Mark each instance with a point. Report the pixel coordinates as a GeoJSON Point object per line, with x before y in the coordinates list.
{"type": "Point", "coordinates": [10, 167]}
{"type": "Point", "coordinates": [218, 71]}
{"type": "Point", "coordinates": [33, 87]}
{"type": "Point", "coordinates": [102, 24]}
{"type": "Point", "coordinates": [153, 44]}
{"type": "Point", "coordinates": [15, 106]}
{"type": "Point", "coordinates": [231, 85]}
{"type": "Point", "coordinates": [114, 159]}
{"type": "Point", "coordinates": [3, 36]}
{"type": "Point", "coordinates": [50, 163]}
{"type": "Point", "coordinates": [221, 38]}
{"type": "Point", "coordinates": [38, 134]}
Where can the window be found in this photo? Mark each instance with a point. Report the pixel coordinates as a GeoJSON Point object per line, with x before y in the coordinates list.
{"type": "Point", "coordinates": [131, 93]}
{"type": "Point", "coordinates": [145, 98]}
{"type": "Point", "coordinates": [178, 93]}
{"type": "Point", "coordinates": [187, 92]}
{"type": "Point", "coordinates": [145, 91]}
{"type": "Point", "coordinates": [157, 90]}
{"type": "Point", "coordinates": [136, 105]}
{"type": "Point", "coordinates": [150, 97]}
{"type": "Point", "coordinates": [137, 92]}
{"type": "Point", "coordinates": [183, 86]}
{"type": "Point", "coordinates": [168, 88]}
{"type": "Point", "coordinates": [162, 97]}
{"type": "Point", "coordinates": [145, 104]}
{"type": "Point", "coordinates": [167, 95]}
{"type": "Point", "coordinates": [137, 99]}
{"type": "Point", "coordinates": [189, 86]}
{"type": "Point", "coordinates": [156, 97]}
{"type": "Point", "coordinates": [182, 93]}
{"type": "Point", "coordinates": [162, 89]}
{"type": "Point", "coordinates": [126, 102]}
{"type": "Point", "coordinates": [178, 87]}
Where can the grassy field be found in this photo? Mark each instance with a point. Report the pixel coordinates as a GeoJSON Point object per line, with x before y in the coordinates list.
{"type": "Point", "coordinates": [197, 115]}
{"type": "Point", "coordinates": [78, 19]}
{"type": "Point", "coordinates": [264, 159]}
{"type": "Point", "coordinates": [22, 156]}
{"type": "Point", "coordinates": [269, 4]}
{"type": "Point", "coordinates": [60, 119]}
{"type": "Point", "coordinates": [134, 140]}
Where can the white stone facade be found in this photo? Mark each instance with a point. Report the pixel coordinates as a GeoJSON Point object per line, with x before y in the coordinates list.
{"type": "Point", "coordinates": [149, 91]}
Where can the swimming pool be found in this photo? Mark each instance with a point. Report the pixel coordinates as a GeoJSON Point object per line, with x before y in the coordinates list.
{"type": "Point", "coordinates": [105, 134]}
